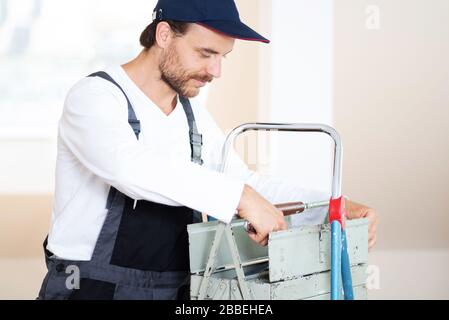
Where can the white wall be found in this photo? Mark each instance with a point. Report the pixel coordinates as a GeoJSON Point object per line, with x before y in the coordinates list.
{"type": "Point", "coordinates": [45, 47]}
{"type": "Point", "coordinates": [296, 86]}
{"type": "Point", "coordinates": [27, 166]}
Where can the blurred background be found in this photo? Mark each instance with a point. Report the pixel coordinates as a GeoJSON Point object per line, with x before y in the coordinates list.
{"type": "Point", "coordinates": [375, 70]}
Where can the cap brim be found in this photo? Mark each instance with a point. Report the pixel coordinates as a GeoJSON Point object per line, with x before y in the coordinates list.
{"type": "Point", "coordinates": [233, 29]}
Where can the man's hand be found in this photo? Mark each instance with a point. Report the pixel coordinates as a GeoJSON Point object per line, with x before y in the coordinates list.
{"type": "Point", "coordinates": [356, 210]}
{"type": "Point", "coordinates": [263, 216]}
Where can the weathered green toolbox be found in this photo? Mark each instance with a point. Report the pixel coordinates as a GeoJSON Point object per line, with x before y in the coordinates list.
{"type": "Point", "coordinates": [225, 264]}
{"type": "Point", "coordinates": [294, 265]}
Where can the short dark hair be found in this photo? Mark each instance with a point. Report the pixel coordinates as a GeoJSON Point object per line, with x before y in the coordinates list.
{"type": "Point", "coordinates": [148, 36]}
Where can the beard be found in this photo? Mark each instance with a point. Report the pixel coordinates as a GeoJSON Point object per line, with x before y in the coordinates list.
{"type": "Point", "coordinates": [175, 76]}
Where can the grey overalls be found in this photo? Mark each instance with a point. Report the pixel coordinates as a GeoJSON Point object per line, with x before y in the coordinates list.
{"type": "Point", "coordinates": [141, 253]}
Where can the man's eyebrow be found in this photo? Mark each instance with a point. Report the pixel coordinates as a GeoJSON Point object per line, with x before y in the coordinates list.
{"type": "Point", "coordinates": [211, 51]}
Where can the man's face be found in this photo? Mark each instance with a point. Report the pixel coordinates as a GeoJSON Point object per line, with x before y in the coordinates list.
{"type": "Point", "coordinates": [192, 60]}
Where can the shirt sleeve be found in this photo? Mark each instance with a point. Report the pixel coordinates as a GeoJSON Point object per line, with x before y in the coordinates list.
{"type": "Point", "coordinates": [94, 126]}
{"type": "Point", "coordinates": [274, 189]}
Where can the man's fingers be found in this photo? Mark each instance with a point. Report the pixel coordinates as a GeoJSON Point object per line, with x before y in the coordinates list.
{"type": "Point", "coordinates": [282, 225]}
{"type": "Point", "coordinates": [372, 227]}
{"type": "Point", "coordinates": [285, 226]}
{"type": "Point", "coordinates": [259, 238]}
{"type": "Point", "coordinates": [371, 237]}
{"type": "Point", "coordinates": [254, 236]}
{"type": "Point", "coordinates": [372, 231]}
{"type": "Point", "coordinates": [372, 242]}
{"type": "Point", "coordinates": [372, 217]}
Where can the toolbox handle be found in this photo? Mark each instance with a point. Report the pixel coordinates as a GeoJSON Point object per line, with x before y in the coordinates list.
{"type": "Point", "coordinates": [292, 127]}
{"type": "Point", "coordinates": [290, 208]}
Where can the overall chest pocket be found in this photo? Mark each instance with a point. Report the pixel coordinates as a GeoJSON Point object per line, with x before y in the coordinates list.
{"type": "Point", "coordinates": [152, 237]}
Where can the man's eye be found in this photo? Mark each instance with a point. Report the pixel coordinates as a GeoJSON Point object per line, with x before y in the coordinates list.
{"type": "Point", "coordinates": [205, 55]}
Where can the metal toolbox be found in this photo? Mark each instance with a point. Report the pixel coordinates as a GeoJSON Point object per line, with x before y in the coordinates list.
{"type": "Point", "coordinates": [296, 263]}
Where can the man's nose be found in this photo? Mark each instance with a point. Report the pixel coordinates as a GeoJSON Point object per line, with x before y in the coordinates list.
{"type": "Point", "coordinates": [214, 68]}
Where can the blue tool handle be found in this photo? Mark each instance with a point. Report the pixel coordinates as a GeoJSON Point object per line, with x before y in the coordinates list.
{"type": "Point", "coordinates": [346, 269]}
{"type": "Point", "coordinates": [336, 260]}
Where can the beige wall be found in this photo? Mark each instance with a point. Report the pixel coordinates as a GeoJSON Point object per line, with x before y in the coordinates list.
{"type": "Point", "coordinates": [233, 99]}
{"type": "Point", "coordinates": [25, 222]}
{"type": "Point", "coordinates": [392, 111]}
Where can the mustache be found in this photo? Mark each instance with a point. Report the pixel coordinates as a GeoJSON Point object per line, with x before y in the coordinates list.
{"type": "Point", "coordinates": [205, 78]}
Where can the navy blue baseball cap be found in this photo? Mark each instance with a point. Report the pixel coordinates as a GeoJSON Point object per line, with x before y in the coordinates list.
{"type": "Point", "coordinates": [220, 16]}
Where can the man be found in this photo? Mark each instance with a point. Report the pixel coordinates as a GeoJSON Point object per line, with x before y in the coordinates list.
{"type": "Point", "coordinates": [137, 163]}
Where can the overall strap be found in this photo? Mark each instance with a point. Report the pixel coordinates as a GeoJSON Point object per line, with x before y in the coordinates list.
{"type": "Point", "coordinates": [132, 119]}
{"type": "Point", "coordinates": [196, 139]}
{"type": "Point", "coordinates": [196, 143]}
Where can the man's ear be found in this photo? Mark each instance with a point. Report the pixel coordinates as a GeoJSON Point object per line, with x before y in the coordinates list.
{"type": "Point", "coordinates": [163, 34]}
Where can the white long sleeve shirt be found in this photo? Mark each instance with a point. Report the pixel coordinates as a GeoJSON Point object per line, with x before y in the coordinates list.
{"type": "Point", "coordinates": [97, 149]}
